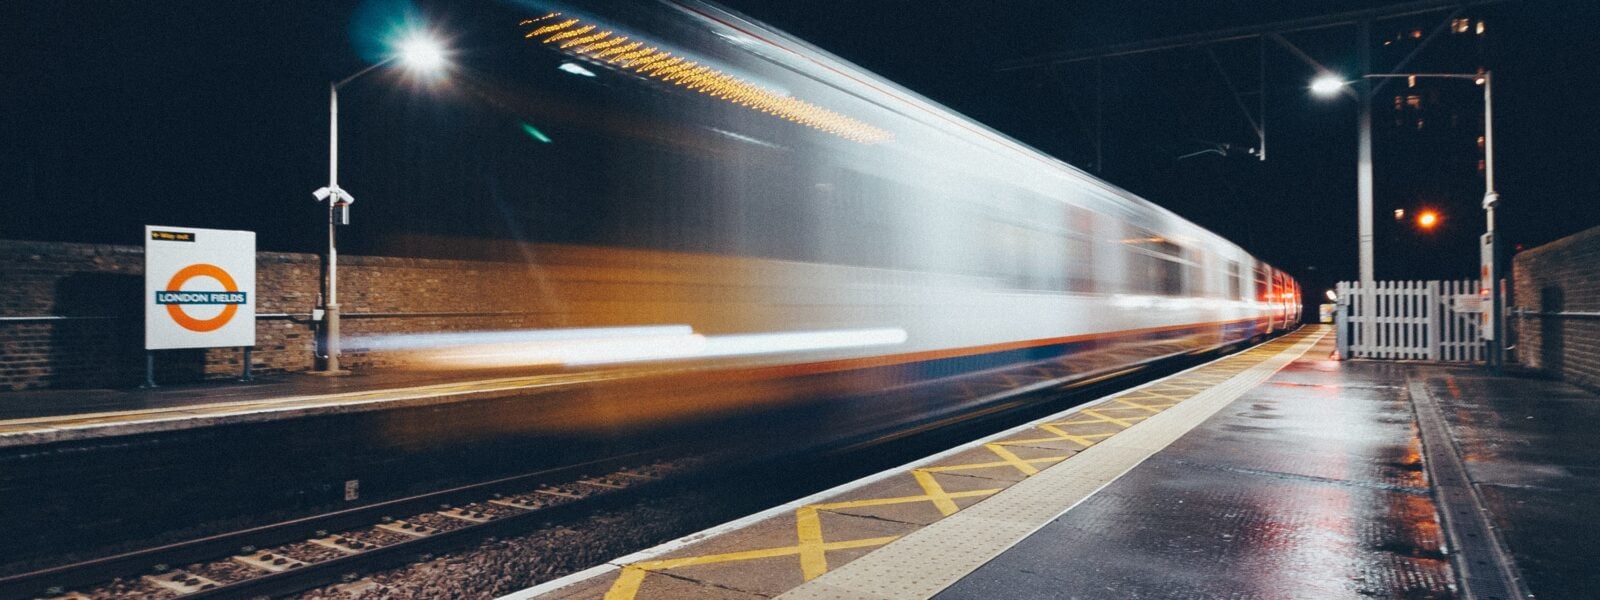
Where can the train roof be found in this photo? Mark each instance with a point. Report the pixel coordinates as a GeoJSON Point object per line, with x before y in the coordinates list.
{"type": "Point", "coordinates": [846, 75]}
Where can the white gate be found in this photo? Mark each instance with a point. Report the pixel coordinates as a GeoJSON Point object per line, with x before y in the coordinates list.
{"type": "Point", "coordinates": [1418, 320]}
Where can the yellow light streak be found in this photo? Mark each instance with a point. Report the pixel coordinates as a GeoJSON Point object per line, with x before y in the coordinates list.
{"type": "Point", "coordinates": [604, 46]}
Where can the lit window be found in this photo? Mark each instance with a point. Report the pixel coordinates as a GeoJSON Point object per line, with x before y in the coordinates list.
{"type": "Point", "coordinates": [1480, 164]}
{"type": "Point", "coordinates": [1460, 25]}
{"type": "Point", "coordinates": [1411, 81]}
{"type": "Point", "coordinates": [1419, 123]}
{"type": "Point", "coordinates": [1414, 102]}
{"type": "Point", "coordinates": [1480, 142]}
{"type": "Point", "coordinates": [1480, 27]}
{"type": "Point", "coordinates": [1416, 34]}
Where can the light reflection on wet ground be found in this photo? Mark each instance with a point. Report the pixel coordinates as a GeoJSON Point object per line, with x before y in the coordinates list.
{"type": "Point", "coordinates": [1530, 447]}
{"type": "Point", "coordinates": [1308, 487]}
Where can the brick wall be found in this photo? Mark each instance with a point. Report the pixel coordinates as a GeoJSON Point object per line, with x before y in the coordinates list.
{"type": "Point", "coordinates": [1562, 276]}
{"type": "Point", "coordinates": [98, 290]}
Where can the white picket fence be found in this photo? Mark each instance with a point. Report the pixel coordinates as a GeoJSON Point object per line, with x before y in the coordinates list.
{"type": "Point", "coordinates": [1416, 320]}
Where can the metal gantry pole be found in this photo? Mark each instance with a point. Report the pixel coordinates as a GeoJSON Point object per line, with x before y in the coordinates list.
{"type": "Point", "coordinates": [1364, 170]}
{"type": "Point", "coordinates": [1491, 200]}
{"type": "Point", "coordinates": [330, 316]}
{"type": "Point", "coordinates": [1364, 154]}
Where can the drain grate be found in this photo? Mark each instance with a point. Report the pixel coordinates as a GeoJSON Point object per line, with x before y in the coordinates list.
{"type": "Point", "coordinates": [1484, 567]}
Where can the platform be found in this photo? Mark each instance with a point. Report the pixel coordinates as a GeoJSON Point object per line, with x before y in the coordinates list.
{"type": "Point", "coordinates": [44, 416]}
{"type": "Point", "coordinates": [1272, 473]}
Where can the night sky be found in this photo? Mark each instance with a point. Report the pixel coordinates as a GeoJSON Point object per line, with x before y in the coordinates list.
{"type": "Point", "coordinates": [213, 114]}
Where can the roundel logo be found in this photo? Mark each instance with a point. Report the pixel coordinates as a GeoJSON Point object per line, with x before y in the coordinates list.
{"type": "Point", "coordinates": [175, 298]}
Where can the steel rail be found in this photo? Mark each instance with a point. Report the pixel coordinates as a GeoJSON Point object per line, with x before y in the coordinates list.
{"type": "Point", "coordinates": [58, 579]}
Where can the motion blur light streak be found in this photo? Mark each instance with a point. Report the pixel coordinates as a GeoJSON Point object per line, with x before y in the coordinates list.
{"type": "Point", "coordinates": [593, 351]}
{"type": "Point", "coordinates": [632, 344]}
{"type": "Point", "coordinates": [755, 343]}
{"type": "Point", "coordinates": [575, 69]}
{"type": "Point", "coordinates": [607, 48]}
{"type": "Point", "coordinates": [534, 131]}
{"type": "Point", "coordinates": [416, 341]}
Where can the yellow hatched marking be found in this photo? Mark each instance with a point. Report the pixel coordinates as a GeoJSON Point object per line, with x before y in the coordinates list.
{"type": "Point", "coordinates": [1012, 459]}
{"type": "Point", "coordinates": [1081, 440]}
{"type": "Point", "coordinates": [1169, 397]}
{"type": "Point", "coordinates": [936, 494]}
{"type": "Point", "coordinates": [1125, 422]}
{"type": "Point", "coordinates": [626, 587]}
{"type": "Point", "coordinates": [1153, 408]}
{"type": "Point", "coordinates": [998, 463]}
{"type": "Point", "coordinates": [813, 557]}
{"type": "Point", "coordinates": [812, 547]}
{"type": "Point", "coordinates": [1107, 408]}
{"type": "Point", "coordinates": [899, 500]}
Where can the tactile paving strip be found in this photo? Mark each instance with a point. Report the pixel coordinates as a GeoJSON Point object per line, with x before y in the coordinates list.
{"type": "Point", "coordinates": [816, 542]}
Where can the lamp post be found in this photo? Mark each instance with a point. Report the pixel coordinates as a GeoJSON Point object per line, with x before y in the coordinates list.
{"type": "Point", "coordinates": [421, 54]}
{"type": "Point", "coordinates": [1494, 327]}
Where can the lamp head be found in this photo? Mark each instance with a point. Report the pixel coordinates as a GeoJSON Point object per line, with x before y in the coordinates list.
{"type": "Point", "coordinates": [422, 53]}
{"type": "Point", "coordinates": [1327, 84]}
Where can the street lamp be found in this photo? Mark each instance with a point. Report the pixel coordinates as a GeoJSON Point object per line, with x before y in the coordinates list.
{"type": "Point", "coordinates": [1329, 84]}
{"type": "Point", "coordinates": [1427, 219]}
{"type": "Point", "coordinates": [420, 53]}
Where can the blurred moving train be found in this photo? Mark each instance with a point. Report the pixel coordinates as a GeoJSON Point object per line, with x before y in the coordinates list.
{"type": "Point", "coordinates": [708, 171]}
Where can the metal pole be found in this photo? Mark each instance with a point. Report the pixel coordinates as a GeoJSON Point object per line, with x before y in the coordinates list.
{"type": "Point", "coordinates": [1364, 170]}
{"type": "Point", "coordinates": [330, 322]}
{"type": "Point", "coordinates": [246, 375]}
{"type": "Point", "coordinates": [149, 370]}
{"type": "Point", "coordinates": [1364, 154]}
{"type": "Point", "coordinates": [1491, 198]}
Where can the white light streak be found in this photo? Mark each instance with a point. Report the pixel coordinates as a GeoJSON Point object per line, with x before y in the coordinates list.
{"type": "Point", "coordinates": [616, 345]}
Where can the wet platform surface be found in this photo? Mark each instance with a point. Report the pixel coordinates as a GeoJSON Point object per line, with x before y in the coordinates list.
{"type": "Point", "coordinates": [1309, 486]}
{"type": "Point", "coordinates": [1282, 474]}
{"type": "Point", "coordinates": [1312, 486]}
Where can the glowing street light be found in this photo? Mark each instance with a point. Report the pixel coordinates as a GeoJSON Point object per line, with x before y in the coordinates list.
{"type": "Point", "coordinates": [1328, 84]}
{"type": "Point", "coordinates": [422, 54]}
{"type": "Point", "coordinates": [1427, 219]}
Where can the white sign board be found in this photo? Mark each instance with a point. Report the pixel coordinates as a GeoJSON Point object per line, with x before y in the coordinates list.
{"type": "Point", "coordinates": [1486, 285]}
{"type": "Point", "coordinates": [199, 288]}
{"type": "Point", "coordinates": [1467, 303]}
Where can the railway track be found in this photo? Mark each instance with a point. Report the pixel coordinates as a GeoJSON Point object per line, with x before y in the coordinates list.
{"type": "Point", "coordinates": [301, 554]}
{"type": "Point", "coordinates": [342, 546]}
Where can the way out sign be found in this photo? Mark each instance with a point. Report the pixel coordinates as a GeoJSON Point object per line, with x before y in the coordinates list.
{"type": "Point", "coordinates": [199, 288]}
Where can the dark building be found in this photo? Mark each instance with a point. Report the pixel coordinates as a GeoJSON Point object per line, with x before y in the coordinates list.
{"type": "Point", "coordinates": [1428, 145]}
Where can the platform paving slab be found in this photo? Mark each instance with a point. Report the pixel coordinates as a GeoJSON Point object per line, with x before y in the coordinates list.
{"type": "Point", "coordinates": [1531, 447]}
{"type": "Point", "coordinates": [1304, 487]}
{"type": "Point", "coordinates": [782, 549]}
